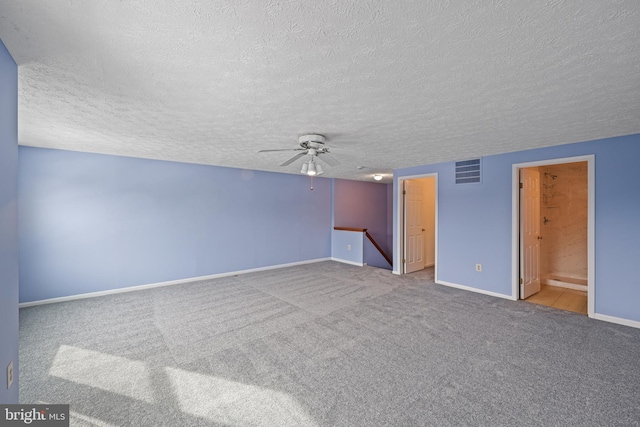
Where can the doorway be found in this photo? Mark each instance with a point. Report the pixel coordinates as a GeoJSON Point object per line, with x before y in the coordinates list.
{"type": "Point", "coordinates": [417, 223]}
{"type": "Point", "coordinates": [555, 207]}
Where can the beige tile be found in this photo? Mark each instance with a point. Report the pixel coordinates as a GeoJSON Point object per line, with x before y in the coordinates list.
{"type": "Point", "coordinates": [547, 296]}
{"type": "Point", "coordinates": [561, 298]}
{"type": "Point", "coordinates": [572, 302]}
{"type": "Point", "coordinates": [576, 292]}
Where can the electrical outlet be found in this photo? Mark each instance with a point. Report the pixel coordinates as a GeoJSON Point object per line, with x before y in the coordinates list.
{"type": "Point", "coordinates": [10, 374]}
{"type": "Point", "coordinates": [478, 267]}
{"type": "Point", "coordinates": [348, 247]}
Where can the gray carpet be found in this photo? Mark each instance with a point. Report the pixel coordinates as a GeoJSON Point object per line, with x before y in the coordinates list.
{"type": "Point", "coordinates": [326, 344]}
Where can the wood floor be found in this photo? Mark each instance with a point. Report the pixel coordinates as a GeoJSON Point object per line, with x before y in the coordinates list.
{"type": "Point", "coordinates": [562, 298]}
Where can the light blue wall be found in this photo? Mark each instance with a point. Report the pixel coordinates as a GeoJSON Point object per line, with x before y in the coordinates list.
{"type": "Point", "coordinates": [390, 220]}
{"type": "Point", "coordinates": [340, 243]}
{"type": "Point", "coordinates": [474, 221]}
{"type": "Point", "coordinates": [8, 224]}
{"type": "Point", "coordinates": [92, 222]}
{"type": "Point", "coordinates": [372, 256]}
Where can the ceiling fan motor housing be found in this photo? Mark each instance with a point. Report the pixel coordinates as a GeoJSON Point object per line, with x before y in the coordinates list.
{"type": "Point", "coordinates": [312, 140]}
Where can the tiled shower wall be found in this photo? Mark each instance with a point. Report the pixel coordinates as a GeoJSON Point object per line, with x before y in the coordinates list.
{"type": "Point", "coordinates": [564, 197]}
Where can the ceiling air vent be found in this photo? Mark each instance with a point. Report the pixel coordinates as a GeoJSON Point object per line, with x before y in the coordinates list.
{"type": "Point", "coordinates": [468, 171]}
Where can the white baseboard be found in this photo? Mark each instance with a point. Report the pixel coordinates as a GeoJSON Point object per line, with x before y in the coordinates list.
{"type": "Point", "coordinates": [562, 284]}
{"type": "Point", "coordinates": [571, 278]}
{"type": "Point", "coordinates": [344, 261]}
{"type": "Point", "coordinates": [469, 288]}
{"type": "Point", "coordinates": [618, 320]}
{"type": "Point", "coordinates": [168, 283]}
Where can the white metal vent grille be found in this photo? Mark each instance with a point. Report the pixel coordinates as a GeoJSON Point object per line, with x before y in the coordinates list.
{"type": "Point", "coordinates": [468, 171]}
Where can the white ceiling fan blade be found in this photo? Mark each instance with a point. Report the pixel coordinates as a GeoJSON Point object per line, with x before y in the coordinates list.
{"type": "Point", "coordinates": [328, 159]}
{"type": "Point", "coordinates": [281, 149]}
{"type": "Point", "coordinates": [294, 158]}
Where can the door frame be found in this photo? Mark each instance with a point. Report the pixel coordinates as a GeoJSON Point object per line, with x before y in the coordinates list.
{"type": "Point", "coordinates": [400, 223]}
{"type": "Point", "coordinates": [515, 223]}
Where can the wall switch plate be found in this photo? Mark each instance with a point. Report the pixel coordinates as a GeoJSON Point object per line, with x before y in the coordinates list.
{"type": "Point", "coordinates": [478, 267]}
{"type": "Point", "coordinates": [10, 374]}
{"type": "Point", "coordinates": [348, 247]}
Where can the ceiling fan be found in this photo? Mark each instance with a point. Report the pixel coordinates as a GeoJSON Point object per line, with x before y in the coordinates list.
{"type": "Point", "coordinates": [310, 144]}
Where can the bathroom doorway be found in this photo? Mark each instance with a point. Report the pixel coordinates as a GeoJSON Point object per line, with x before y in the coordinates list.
{"type": "Point", "coordinates": [555, 234]}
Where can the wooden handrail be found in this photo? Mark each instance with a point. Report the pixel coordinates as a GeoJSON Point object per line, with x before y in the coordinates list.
{"type": "Point", "coordinates": [371, 239]}
{"type": "Point", "coordinates": [359, 230]}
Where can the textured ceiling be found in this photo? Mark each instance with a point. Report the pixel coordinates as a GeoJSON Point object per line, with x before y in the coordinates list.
{"type": "Point", "coordinates": [391, 84]}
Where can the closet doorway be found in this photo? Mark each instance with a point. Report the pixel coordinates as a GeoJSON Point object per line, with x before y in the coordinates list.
{"type": "Point", "coordinates": [418, 223]}
{"type": "Point", "coordinates": [555, 233]}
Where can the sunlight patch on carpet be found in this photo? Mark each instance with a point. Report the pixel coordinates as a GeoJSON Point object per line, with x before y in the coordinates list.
{"type": "Point", "coordinates": [235, 404]}
{"type": "Point", "coordinates": [115, 374]}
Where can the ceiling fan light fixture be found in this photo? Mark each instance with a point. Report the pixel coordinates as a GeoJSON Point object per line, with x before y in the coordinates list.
{"type": "Point", "coordinates": [312, 145]}
{"type": "Point", "coordinates": [377, 177]}
{"type": "Point", "coordinates": [311, 170]}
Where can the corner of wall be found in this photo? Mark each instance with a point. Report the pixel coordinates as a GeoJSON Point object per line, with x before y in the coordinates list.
{"type": "Point", "coordinates": [8, 224]}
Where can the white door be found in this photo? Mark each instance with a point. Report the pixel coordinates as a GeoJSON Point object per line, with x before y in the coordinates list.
{"type": "Point", "coordinates": [529, 232]}
{"type": "Point", "coordinates": [413, 226]}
